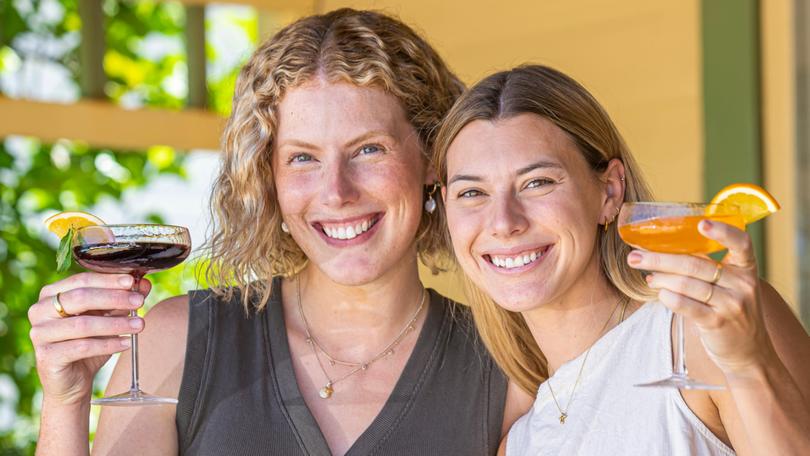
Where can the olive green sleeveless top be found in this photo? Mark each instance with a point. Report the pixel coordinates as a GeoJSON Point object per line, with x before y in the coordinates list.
{"type": "Point", "coordinates": [239, 395]}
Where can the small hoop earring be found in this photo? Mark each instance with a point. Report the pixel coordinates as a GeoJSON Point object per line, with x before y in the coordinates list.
{"type": "Point", "coordinates": [430, 204]}
{"type": "Point", "coordinates": [285, 228]}
{"type": "Point", "coordinates": [608, 222]}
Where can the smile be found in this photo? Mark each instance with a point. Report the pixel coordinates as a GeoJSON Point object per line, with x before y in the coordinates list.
{"type": "Point", "coordinates": [515, 261]}
{"type": "Point", "coordinates": [348, 230]}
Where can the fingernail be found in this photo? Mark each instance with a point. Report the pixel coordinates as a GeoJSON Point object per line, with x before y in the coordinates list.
{"type": "Point", "coordinates": [707, 225]}
{"type": "Point", "coordinates": [126, 342]}
{"type": "Point", "coordinates": [634, 259]}
{"type": "Point", "coordinates": [125, 281]}
{"type": "Point", "coordinates": [136, 299]}
{"type": "Point", "coordinates": [135, 323]}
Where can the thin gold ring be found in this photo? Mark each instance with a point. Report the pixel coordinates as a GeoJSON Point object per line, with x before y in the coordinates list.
{"type": "Point", "coordinates": [711, 293]}
{"type": "Point", "coordinates": [717, 272]}
{"type": "Point", "coordinates": [58, 306]}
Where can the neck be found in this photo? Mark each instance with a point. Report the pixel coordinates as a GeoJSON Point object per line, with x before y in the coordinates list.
{"type": "Point", "coordinates": [566, 327]}
{"type": "Point", "coordinates": [356, 321]}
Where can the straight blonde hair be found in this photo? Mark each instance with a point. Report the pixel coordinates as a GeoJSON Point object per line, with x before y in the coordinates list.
{"type": "Point", "coordinates": [540, 90]}
{"type": "Point", "coordinates": [364, 48]}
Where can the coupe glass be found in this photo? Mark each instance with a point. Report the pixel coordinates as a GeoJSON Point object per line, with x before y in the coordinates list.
{"type": "Point", "coordinates": [136, 250]}
{"type": "Point", "coordinates": [673, 228]}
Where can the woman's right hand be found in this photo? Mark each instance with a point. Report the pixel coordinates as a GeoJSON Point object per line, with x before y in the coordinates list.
{"type": "Point", "coordinates": [70, 350]}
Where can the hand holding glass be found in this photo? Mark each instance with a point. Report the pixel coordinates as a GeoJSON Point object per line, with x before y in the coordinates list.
{"type": "Point", "coordinates": [136, 250]}
{"type": "Point", "coordinates": [673, 228]}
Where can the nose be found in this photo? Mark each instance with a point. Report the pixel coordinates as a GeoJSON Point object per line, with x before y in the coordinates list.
{"type": "Point", "coordinates": [338, 185]}
{"type": "Point", "coordinates": [508, 217]}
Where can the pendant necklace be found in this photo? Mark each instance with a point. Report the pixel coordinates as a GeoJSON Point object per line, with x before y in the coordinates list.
{"type": "Point", "coordinates": [564, 412]}
{"type": "Point", "coordinates": [327, 390]}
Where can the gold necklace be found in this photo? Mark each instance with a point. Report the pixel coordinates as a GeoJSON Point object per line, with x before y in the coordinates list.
{"type": "Point", "coordinates": [328, 389]}
{"type": "Point", "coordinates": [564, 413]}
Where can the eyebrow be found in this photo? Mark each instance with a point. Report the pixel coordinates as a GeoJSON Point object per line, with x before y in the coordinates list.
{"type": "Point", "coordinates": [520, 172]}
{"type": "Point", "coordinates": [353, 142]}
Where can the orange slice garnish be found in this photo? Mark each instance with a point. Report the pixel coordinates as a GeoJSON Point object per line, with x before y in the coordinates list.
{"type": "Point", "coordinates": [753, 201]}
{"type": "Point", "coordinates": [60, 223]}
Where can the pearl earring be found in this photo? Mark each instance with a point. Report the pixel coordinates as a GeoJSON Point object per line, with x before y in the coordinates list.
{"type": "Point", "coordinates": [430, 204]}
{"type": "Point", "coordinates": [285, 228]}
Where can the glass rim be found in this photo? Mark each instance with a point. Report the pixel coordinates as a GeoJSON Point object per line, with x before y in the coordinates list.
{"type": "Point", "coordinates": [676, 203]}
{"type": "Point", "coordinates": [134, 225]}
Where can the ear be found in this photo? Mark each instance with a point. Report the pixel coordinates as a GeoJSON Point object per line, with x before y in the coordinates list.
{"type": "Point", "coordinates": [430, 176]}
{"type": "Point", "coordinates": [613, 193]}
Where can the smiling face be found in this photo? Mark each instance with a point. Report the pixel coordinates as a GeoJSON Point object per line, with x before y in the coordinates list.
{"type": "Point", "coordinates": [349, 174]}
{"type": "Point", "coordinates": [523, 207]}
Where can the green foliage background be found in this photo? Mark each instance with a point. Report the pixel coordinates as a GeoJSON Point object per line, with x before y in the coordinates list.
{"type": "Point", "coordinates": [38, 179]}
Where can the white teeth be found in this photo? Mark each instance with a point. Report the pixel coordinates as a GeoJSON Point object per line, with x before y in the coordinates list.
{"type": "Point", "coordinates": [347, 232]}
{"type": "Point", "coordinates": [516, 261]}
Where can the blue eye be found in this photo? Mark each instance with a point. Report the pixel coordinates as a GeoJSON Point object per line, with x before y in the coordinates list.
{"type": "Point", "coordinates": [369, 149]}
{"type": "Point", "coordinates": [299, 158]}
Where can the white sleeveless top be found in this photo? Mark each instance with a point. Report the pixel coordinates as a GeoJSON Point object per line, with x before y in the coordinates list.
{"type": "Point", "coordinates": [609, 416]}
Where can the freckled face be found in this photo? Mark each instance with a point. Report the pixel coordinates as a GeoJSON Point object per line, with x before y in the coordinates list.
{"type": "Point", "coordinates": [349, 174]}
{"type": "Point", "coordinates": [522, 207]}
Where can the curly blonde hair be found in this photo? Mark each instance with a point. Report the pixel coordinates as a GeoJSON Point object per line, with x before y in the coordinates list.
{"type": "Point", "coordinates": [548, 93]}
{"type": "Point", "coordinates": [365, 48]}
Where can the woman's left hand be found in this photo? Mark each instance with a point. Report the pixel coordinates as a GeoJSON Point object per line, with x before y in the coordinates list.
{"type": "Point", "coordinates": [722, 299]}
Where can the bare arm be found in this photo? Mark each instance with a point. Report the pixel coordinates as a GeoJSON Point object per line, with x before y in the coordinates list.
{"type": "Point", "coordinates": [748, 339]}
{"type": "Point", "coordinates": [122, 430]}
{"type": "Point", "coordinates": [70, 348]}
{"type": "Point", "coordinates": [518, 403]}
{"type": "Point", "coordinates": [766, 407]}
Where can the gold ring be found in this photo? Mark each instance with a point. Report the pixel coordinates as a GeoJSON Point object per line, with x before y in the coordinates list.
{"type": "Point", "coordinates": [717, 273]}
{"type": "Point", "coordinates": [711, 293]}
{"type": "Point", "coordinates": [58, 306]}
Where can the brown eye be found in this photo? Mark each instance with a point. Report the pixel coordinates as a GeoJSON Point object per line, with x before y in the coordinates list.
{"type": "Point", "coordinates": [469, 193]}
{"type": "Point", "coordinates": [536, 183]}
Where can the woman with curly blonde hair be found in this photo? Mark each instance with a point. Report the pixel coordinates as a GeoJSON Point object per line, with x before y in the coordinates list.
{"type": "Point", "coordinates": [319, 337]}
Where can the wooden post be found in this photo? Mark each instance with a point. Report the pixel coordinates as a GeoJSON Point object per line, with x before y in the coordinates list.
{"type": "Point", "coordinates": [195, 52]}
{"type": "Point", "coordinates": [91, 50]}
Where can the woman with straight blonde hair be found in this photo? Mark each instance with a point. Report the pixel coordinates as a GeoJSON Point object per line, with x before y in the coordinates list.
{"type": "Point", "coordinates": [319, 337]}
{"type": "Point", "coordinates": [534, 173]}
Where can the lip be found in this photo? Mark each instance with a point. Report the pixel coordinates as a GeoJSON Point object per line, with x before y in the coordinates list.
{"type": "Point", "coordinates": [377, 218]}
{"type": "Point", "coordinates": [514, 251]}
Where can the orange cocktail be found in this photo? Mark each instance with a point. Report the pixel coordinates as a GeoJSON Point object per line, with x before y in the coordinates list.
{"type": "Point", "coordinates": [673, 227]}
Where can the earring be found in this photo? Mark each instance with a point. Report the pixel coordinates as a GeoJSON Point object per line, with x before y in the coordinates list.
{"type": "Point", "coordinates": [285, 228]}
{"type": "Point", "coordinates": [608, 222]}
{"type": "Point", "coordinates": [430, 204]}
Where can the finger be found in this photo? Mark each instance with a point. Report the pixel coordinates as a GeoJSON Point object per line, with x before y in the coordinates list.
{"type": "Point", "coordinates": [694, 266]}
{"type": "Point", "coordinates": [80, 300]}
{"type": "Point", "coordinates": [696, 311]}
{"type": "Point", "coordinates": [692, 288]}
{"type": "Point", "coordinates": [737, 241]}
{"type": "Point", "coordinates": [88, 280]}
{"type": "Point", "coordinates": [83, 327]}
{"type": "Point", "coordinates": [144, 287]}
{"type": "Point", "coordinates": [70, 351]}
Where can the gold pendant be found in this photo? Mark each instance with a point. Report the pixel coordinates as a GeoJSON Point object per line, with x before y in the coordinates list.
{"type": "Point", "coordinates": [326, 391]}
{"type": "Point", "coordinates": [563, 416]}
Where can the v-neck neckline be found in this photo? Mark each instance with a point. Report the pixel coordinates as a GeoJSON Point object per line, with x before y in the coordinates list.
{"type": "Point", "coordinates": [295, 409]}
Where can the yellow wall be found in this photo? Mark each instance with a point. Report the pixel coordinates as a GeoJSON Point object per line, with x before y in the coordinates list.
{"type": "Point", "coordinates": [641, 59]}
{"type": "Point", "coordinates": [778, 139]}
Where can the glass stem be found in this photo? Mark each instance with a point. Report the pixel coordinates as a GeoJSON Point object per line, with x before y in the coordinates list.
{"type": "Point", "coordinates": [134, 388]}
{"type": "Point", "coordinates": [680, 349]}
